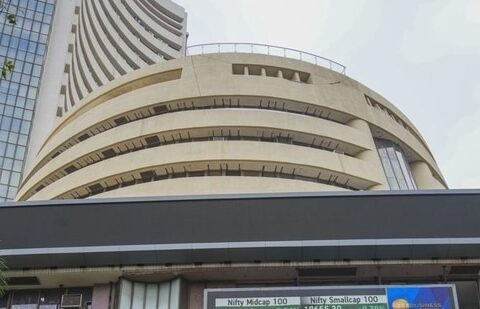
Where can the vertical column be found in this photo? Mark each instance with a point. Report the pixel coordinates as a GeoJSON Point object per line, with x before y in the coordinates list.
{"type": "Point", "coordinates": [101, 296]}
{"type": "Point", "coordinates": [195, 295]}
{"type": "Point", "coordinates": [423, 176]}
{"type": "Point", "coordinates": [296, 77]}
{"type": "Point", "coordinates": [371, 155]}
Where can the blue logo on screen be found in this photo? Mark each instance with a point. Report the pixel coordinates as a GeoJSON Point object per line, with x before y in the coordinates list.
{"type": "Point", "coordinates": [420, 297]}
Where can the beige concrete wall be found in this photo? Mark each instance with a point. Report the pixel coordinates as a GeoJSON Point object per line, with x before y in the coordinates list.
{"type": "Point", "coordinates": [423, 176]}
{"type": "Point", "coordinates": [218, 185]}
{"type": "Point", "coordinates": [109, 41]}
{"type": "Point", "coordinates": [350, 122]}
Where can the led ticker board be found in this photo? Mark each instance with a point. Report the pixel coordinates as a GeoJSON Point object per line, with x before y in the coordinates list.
{"type": "Point", "coordinates": [358, 297]}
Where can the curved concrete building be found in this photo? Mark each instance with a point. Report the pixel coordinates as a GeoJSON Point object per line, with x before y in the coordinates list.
{"type": "Point", "coordinates": [112, 38]}
{"type": "Point", "coordinates": [94, 42]}
{"type": "Point", "coordinates": [229, 123]}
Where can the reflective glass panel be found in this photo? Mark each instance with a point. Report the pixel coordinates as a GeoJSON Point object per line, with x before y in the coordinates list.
{"type": "Point", "coordinates": [25, 44]}
{"type": "Point", "coordinates": [395, 166]}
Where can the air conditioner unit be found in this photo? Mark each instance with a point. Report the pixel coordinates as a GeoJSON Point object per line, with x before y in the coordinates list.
{"type": "Point", "coordinates": [71, 301]}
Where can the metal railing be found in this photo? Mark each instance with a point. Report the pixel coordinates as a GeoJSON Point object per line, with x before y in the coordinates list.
{"type": "Point", "coordinates": [253, 48]}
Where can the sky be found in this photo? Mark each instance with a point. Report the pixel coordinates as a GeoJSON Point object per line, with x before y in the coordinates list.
{"type": "Point", "coordinates": [422, 55]}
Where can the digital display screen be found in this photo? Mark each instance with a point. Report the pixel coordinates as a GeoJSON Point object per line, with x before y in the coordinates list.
{"type": "Point", "coordinates": [366, 297]}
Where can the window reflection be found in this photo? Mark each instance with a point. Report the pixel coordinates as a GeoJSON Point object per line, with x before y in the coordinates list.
{"type": "Point", "coordinates": [395, 166]}
{"type": "Point", "coordinates": [24, 43]}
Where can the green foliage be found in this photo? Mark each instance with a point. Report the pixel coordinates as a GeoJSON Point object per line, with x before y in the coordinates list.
{"type": "Point", "coordinates": [8, 66]}
{"type": "Point", "coordinates": [3, 281]}
{"type": "Point", "coordinates": [12, 18]}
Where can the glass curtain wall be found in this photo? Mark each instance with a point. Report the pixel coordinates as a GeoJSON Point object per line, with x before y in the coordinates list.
{"type": "Point", "coordinates": [24, 43]}
{"type": "Point", "coordinates": [395, 165]}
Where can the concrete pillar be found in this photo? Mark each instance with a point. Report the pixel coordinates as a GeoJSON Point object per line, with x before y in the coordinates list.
{"type": "Point", "coordinates": [101, 296]}
{"type": "Point", "coordinates": [371, 155]}
{"type": "Point", "coordinates": [279, 74]}
{"type": "Point", "coordinates": [296, 77]}
{"type": "Point", "coordinates": [245, 70]}
{"type": "Point", "coordinates": [195, 295]}
{"type": "Point", "coordinates": [423, 176]}
{"type": "Point", "coordinates": [263, 72]}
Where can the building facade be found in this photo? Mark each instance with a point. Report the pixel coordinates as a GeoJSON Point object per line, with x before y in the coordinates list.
{"type": "Point", "coordinates": [98, 41]}
{"type": "Point", "coordinates": [91, 43]}
{"type": "Point", "coordinates": [230, 123]}
{"type": "Point", "coordinates": [150, 181]}
{"type": "Point", "coordinates": [26, 44]}
{"type": "Point", "coordinates": [163, 252]}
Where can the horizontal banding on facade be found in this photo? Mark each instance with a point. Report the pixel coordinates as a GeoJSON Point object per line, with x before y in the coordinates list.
{"type": "Point", "coordinates": [306, 161]}
{"type": "Point", "coordinates": [204, 102]}
{"type": "Point", "coordinates": [198, 125]}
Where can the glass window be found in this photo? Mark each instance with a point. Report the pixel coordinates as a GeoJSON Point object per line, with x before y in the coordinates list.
{"type": "Point", "coordinates": [11, 192]}
{"type": "Point", "coordinates": [30, 57]}
{"type": "Point", "coordinates": [22, 139]}
{"type": "Point", "coordinates": [25, 300]}
{"type": "Point", "coordinates": [3, 135]}
{"type": "Point", "coordinates": [20, 153]}
{"type": "Point", "coordinates": [32, 92]}
{"type": "Point", "coordinates": [27, 115]}
{"type": "Point", "coordinates": [12, 138]}
{"type": "Point", "coordinates": [50, 299]}
{"type": "Point", "coordinates": [5, 177]}
{"type": "Point", "coordinates": [32, 47]}
{"type": "Point", "coordinates": [36, 70]}
{"type": "Point", "coordinates": [7, 164]}
{"type": "Point", "coordinates": [22, 91]}
{"type": "Point", "coordinates": [49, 9]}
{"type": "Point", "coordinates": [15, 179]}
{"type": "Point", "coordinates": [36, 26]}
{"type": "Point", "coordinates": [38, 16]}
{"type": "Point", "coordinates": [34, 36]}
{"type": "Point", "coordinates": [41, 6]}
{"type": "Point", "coordinates": [21, 102]}
{"type": "Point", "coordinates": [29, 14]}
{"type": "Point", "coordinates": [43, 39]}
{"type": "Point", "coordinates": [392, 181]}
{"type": "Point", "coordinates": [8, 111]}
{"type": "Point", "coordinates": [15, 125]}
{"type": "Point", "coordinates": [25, 44]}
{"type": "Point", "coordinates": [10, 151]}
{"type": "Point", "coordinates": [5, 40]}
{"type": "Point", "coordinates": [45, 28]}
{"type": "Point", "coordinates": [17, 165]}
{"type": "Point", "coordinates": [25, 128]}
{"type": "Point", "coordinates": [6, 121]}
{"type": "Point", "coordinates": [3, 191]}
{"type": "Point", "coordinates": [395, 166]}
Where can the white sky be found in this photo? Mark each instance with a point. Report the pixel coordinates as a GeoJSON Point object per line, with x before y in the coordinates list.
{"type": "Point", "coordinates": [423, 56]}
